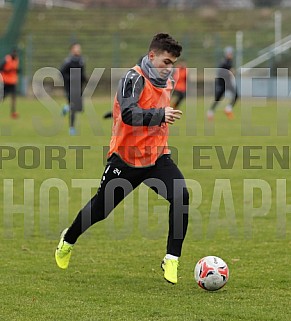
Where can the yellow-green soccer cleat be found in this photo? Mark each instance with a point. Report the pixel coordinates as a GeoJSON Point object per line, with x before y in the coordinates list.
{"type": "Point", "coordinates": [63, 252]}
{"type": "Point", "coordinates": [170, 268]}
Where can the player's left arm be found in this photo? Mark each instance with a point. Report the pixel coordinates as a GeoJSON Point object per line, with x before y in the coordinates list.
{"type": "Point", "coordinates": [128, 95]}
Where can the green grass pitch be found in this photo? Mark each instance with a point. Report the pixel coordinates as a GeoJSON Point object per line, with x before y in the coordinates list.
{"type": "Point", "coordinates": [238, 174]}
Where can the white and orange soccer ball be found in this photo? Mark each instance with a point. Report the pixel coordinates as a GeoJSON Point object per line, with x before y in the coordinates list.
{"type": "Point", "coordinates": [211, 273]}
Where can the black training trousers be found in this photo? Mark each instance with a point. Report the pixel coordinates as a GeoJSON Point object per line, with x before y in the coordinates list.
{"type": "Point", "coordinates": [220, 89]}
{"type": "Point", "coordinates": [119, 180]}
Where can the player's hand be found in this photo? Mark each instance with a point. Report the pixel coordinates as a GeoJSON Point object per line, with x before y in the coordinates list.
{"type": "Point", "coordinates": [171, 115]}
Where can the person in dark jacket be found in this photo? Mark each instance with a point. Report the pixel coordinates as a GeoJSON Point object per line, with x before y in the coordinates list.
{"type": "Point", "coordinates": [224, 81]}
{"type": "Point", "coordinates": [73, 72]}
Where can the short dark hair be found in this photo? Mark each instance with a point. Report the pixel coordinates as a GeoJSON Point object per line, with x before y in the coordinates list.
{"type": "Point", "coordinates": [164, 42]}
{"type": "Point", "coordinates": [75, 43]}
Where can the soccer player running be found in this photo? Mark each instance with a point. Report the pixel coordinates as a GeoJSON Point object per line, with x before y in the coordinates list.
{"type": "Point", "coordinates": [9, 69]}
{"type": "Point", "coordinates": [139, 153]}
{"type": "Point", "coordinates": [73, 71]}
{"type": "Point", "coordinates": [224, 82]}
{"type": "Point", "coordinates": [180, 77]}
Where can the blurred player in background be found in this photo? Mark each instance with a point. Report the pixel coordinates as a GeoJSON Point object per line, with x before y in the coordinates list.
{"type": "Point", "coordinates": [224, 81]}
{"type": "Point", "coordinates": [108, 114]}
{"type": "Point", "coordinates": [180, 78]}
{"type": "Point", "coordinates": [139, 153]}
{"type": "Point", "coordinates": [9, 70]}
{"type": "Point", "coordinates": [73, 71]}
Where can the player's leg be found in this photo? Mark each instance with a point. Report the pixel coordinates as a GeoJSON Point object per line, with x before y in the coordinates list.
{"type": "Point", "coordinates": [229, 108]}
{"type": "Point", "coordinates": [66, 108]}
{"type": "Point", "coordinates": [174, 99]}
{"type": "Point", "coordinates": [177, 98]}
{"type": "Point", "coordinates": [170, 183]}
{"type": "Point", "coordinates": [118, 180]}
{"type": "Point", "coordinates": [13, 112]}
{"type": "Point", "coordinates": [76, 106]}
{"type": "Point", "coordinates": [5, 91]}
{"type": "Point", "coordinates": [219, 92]}
{"type": "Point", "coordinates": [11, 90]}
{"type": "Point", "coordinates": [72, 120]}
{"type": "Point", "coordinates": [108, 114]}
{"type": "Point", "coordinates": [181, 96]}
{"type": "Point", "coordinates": [234, 96]}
